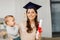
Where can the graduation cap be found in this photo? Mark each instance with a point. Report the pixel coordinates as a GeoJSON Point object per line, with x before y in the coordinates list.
{"type": "Point", "coordinates": [32, 5]}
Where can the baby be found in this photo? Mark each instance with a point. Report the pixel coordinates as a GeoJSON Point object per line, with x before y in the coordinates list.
{"type": "Point", "coordinates": [12, 28]}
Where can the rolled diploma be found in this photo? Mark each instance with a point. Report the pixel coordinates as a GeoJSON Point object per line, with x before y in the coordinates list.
{"type": "Point", "coordinates": [40, 25]}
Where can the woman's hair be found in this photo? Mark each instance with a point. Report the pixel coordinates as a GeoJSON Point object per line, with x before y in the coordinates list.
{"type": "Point", "coordinates": [6, 20]}
{"type": "Point", "coordinates": [29, 28]}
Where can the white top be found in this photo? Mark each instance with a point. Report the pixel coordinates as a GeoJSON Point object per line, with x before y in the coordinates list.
{"type": "Point", "coordinates": [12, 31]}
{"type": "Point", "coordinates": [27, 36]}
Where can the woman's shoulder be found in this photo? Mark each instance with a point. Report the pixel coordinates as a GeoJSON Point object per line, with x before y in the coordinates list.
{"type": "Point", "coordinates": [23, 23]}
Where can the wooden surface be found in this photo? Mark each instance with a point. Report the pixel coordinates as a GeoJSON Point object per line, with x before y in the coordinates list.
{"type": "Point", "coordinates": [55, 38]}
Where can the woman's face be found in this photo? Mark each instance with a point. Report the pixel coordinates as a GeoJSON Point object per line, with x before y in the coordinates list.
{"type": "Point", "coordinates": [31, 14]}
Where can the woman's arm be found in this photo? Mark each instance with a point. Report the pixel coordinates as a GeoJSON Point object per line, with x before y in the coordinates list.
{"type": "Point", "coordinates": [19, 31]}
{"type": "Point", "coordinates": [3, 33]}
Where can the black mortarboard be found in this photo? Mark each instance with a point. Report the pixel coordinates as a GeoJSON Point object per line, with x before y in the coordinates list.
{"type": "Point", "coordinates": [31, 5]}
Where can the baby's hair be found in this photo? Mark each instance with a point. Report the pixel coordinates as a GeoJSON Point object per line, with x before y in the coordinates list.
{"type": "Point", "coordinates": [8, 17]}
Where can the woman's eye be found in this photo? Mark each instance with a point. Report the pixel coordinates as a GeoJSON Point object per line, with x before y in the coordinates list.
{"type": "Point", "coordinates": [32, 12]}
{"type": "Point", "coordinates": [28, 12]}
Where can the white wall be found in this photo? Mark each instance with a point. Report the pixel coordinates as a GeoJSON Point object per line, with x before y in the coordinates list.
{"type": "Point", "coordinates": [15, 7]}
{"type": "Point", "coordinates": [7, 7]}
{"type": "Point", "coordinates": [45, 14]}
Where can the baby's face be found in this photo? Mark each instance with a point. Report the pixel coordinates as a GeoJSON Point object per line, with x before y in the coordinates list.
{"type": "Point", "coordinates": [11, 21]}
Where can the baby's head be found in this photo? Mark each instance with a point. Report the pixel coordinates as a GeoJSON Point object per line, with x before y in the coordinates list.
{"type": "Point", "coordinates": [9, 20]}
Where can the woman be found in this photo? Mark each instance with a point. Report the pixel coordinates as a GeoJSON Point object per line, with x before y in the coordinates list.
{"type": "Point", "coordinates": [29, 28]}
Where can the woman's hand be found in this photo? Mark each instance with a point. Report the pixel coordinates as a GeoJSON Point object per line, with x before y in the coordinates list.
{"type": "Point", "coordinates": [10, 39]}
{"type": "Point", "coordinates": [3, 33]}
{"type": "Point", "coordinates": [39, 37]}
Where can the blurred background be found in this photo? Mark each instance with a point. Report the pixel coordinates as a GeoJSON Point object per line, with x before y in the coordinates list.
{"type": "Point", "coordinates": [49, 13]}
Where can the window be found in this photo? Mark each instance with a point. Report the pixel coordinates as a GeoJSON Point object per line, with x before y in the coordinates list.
{"type": "Point", "coordinates": [55, 5]}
